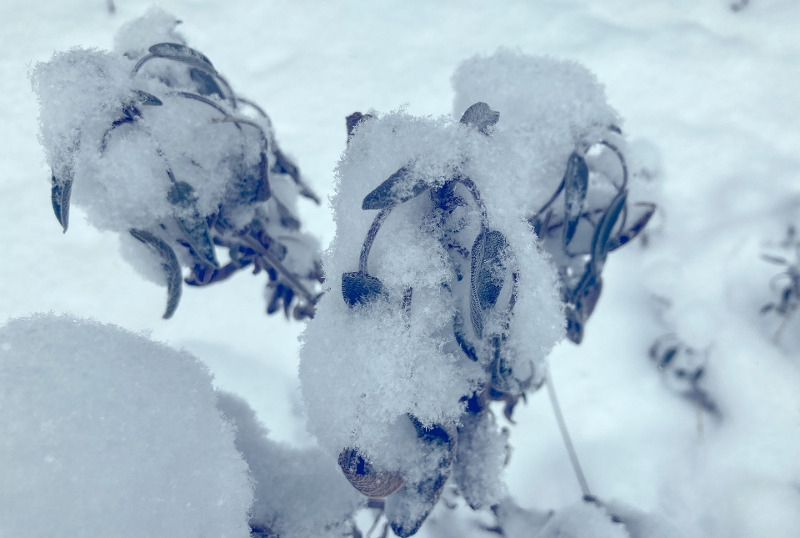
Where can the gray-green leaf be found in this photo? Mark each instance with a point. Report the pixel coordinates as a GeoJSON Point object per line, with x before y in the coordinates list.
{"type": "Point", "coordinates": [602, 234]}
{"type": "Point", "coordinates": [59, 195]}
{"type": "Point", "coordinates": [398, 188]}
{"type": "Point", "coordinates": [194, 225]}
{"type": "Point", "coordinates": [147, 99]}
{"type": "Point", "coordinates": [480, 116]}
{"type": "Point", "coordinates": [169, 264]}
{"type": "Point", "coordinates": [182, 53]}
{"type": "Point", "coordinates": [576, 181]}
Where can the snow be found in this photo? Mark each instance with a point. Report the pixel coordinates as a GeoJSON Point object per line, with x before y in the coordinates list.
{"type": "Point", "coordinates": [298, 492]}
{"type": "Point", "coordinates": [106, 431]}
{"type": "Point", "coordinates": [713, 96]}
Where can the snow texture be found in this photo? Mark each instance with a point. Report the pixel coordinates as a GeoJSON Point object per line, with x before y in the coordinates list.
{"type": "Point", "coordinates": [582, 520]}
{"type": "Point", "coordinates": [548, 108]}
{"type": "Point", "coordinates": [482, 452]}
{"type": "Point", "coordinates": [298, 492]}
{"type": "Point", "coordinates": [112, 434]}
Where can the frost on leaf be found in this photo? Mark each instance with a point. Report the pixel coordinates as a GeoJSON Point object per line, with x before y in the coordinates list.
{"type": "Point", "coordinates": [154, 138]}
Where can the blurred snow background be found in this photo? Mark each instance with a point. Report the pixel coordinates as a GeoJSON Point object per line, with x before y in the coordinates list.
{"type": "Point", "coordinates": [716, 95]}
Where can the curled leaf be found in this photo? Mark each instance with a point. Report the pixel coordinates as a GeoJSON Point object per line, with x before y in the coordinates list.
{"type": "Point", "coordinates": [147, 99]}
{"type": "Point", "coordinates": [194, 226]}
{"type": "Point", "coordinates": [576, 181]}
{"type": "Point", "coordinates": [587, 293]}
{"type": "Point", "coordinates": [630, 233]}
{"type": "Point", "coordinates": [182, 53]}
{"type": "Point", "coordinates": [602, 234]}
{"type": "Point", "coordinates": [481, 116]}
{"type": "Point", "coordinates": [363, 477]}
{"type": "Point", "coordinates": [398, 188]}
{"type": "Point", "coordinates": [360, 288]}
{"type": "Point", "coordinates": [353, 120]}
{"type": "Point", "coordinates": [60, 193]}
{"type": "Point", "coordinates": [169, 264]}
{"type": "Point", "coordinates": [206, 85]}
{"type": "Point", "coordinates": [282, 294]}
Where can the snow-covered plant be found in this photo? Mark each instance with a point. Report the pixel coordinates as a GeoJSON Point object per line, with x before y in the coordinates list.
{"type": "Point", "coordinates": [153, 143]}
{"type": "Point", "coordinates": [787, 283]}
{"type": "Point", "coordinates": [560, 127]}
{"type": "Point", "coordinates": [439, 302]}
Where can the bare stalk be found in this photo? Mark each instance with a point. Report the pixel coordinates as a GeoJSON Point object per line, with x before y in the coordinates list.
{"type": "Point", "coordinates": [562, 426]}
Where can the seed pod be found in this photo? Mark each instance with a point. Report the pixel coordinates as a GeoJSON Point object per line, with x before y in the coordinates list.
{"type": "Point", "coordinates": [375, 485]}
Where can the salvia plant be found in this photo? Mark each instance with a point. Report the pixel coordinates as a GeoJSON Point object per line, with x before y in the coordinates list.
{"type": "Point", "coordinates": [483, 287]}
{"type": "Point", "coordinates": [461, 247]}
{"type": "Point", "coordinates": [478, 273]}
{"type": "Point", "coordinates": [211, 155]}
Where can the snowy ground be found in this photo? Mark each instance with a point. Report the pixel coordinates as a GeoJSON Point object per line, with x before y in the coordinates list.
{"type": "Point", "coordinates": [714, 91]}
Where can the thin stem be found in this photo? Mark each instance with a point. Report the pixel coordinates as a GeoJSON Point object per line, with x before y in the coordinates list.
{"type": "Point", "coordinates": [373, 231]}
{"type": "Point", "coordinates": [255, 107]}
{"type": "Point", "coordinates": [473, 190]}
{"type": "Point", "coordinates": [576, 466]}
{"type": "Point", "coordinates": [144, 59]}
{"type": "Point", "coordinates": [552, 198]}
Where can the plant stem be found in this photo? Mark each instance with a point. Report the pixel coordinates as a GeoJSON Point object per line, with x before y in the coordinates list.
{"type": "Point", "coordinates": [562, 426]}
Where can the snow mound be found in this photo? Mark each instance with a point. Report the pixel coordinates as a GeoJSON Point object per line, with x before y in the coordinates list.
{"type": "Point", "coordinates": [103, 432]}
{"type": "Point", "coordinates": [298, 492]}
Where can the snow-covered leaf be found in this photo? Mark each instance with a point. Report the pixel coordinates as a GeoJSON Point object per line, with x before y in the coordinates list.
{"type": "Point", "coordinates": [398, 188]}
{"type": "Point", "coordinates": [360, 288]}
